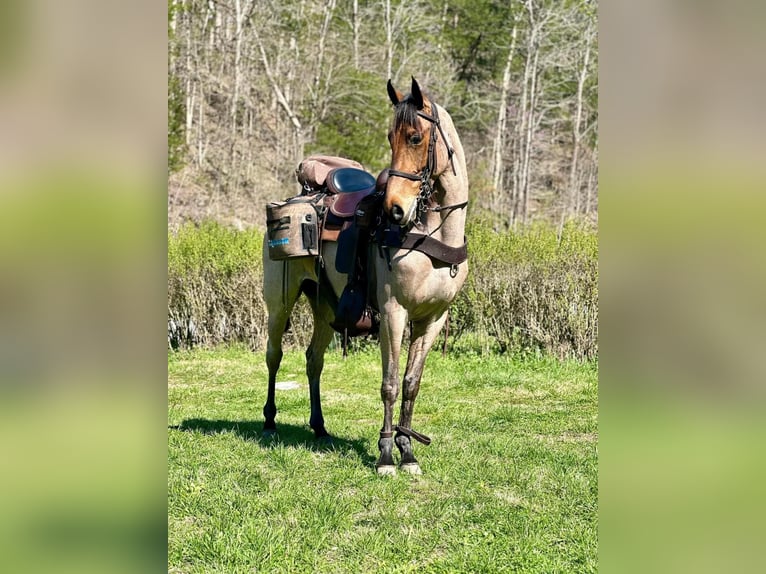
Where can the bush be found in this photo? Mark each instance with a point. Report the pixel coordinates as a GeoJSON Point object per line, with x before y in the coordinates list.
{"type": "Point", "coordinates": [214, 286]}
{"type": "Point", "coordinates": [526, 291]}
{"type": "Point", "coordinates": [531, 290]}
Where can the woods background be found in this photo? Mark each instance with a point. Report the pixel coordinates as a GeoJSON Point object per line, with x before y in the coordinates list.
{"type": "Point", "coordinates": [254, 86]}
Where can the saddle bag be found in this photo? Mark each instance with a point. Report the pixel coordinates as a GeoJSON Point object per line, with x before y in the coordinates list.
{"type": "Point", "coordinates": [312, 171]}
{"type": "Point", "coordinates": [292, 228]}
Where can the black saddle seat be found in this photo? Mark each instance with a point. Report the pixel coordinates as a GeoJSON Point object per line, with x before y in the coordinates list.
{"type": "Point", "coordinates": [349, 180]}
{"type": "Point", "coordinates": [349, 185]}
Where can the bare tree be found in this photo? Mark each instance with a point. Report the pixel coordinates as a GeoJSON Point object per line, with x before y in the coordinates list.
{"type": "Point", "coordinates": [535, 20]}
{"type": "Point", "coordinates": [263, 82]}
{"type": "Point", "coordinates": [498, 146]}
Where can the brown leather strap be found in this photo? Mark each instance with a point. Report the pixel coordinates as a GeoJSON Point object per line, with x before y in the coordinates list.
{"type": "Point", "coordinates": [412, 434]}
{"type": "Point", "coordinates": [386, 434]}
{"type": "Point", "coordinates": [435, 248]}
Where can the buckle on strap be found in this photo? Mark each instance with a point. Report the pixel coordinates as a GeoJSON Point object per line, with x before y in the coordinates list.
{"type": "Point", "coordinates": [412, 434]}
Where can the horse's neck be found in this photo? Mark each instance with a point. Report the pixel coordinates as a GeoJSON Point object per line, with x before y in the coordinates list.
{"type": "Point", "coordinates": [451, 189]}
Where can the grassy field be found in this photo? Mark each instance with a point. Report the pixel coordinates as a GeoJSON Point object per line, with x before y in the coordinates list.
{"type": "Point", "coordinates": [509, 483]}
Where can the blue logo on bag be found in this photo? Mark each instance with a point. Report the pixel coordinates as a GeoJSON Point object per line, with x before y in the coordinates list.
{"type": "Point", "coordinates": [277, 242]}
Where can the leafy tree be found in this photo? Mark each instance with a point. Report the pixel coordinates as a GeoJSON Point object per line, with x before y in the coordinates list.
{"type": "Point", "coordinates": [357, 123]}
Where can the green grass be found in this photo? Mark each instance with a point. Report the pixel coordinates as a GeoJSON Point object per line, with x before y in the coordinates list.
{"type": "Point", "coordinates": [509, 483]}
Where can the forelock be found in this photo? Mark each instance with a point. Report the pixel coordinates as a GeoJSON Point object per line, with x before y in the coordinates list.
{"type": "Point", "coordinates": [405, 113]}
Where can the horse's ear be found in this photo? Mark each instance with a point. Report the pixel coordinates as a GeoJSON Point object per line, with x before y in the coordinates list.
{"type": "Point", "coordinates": [395, 95]}
{"type": "Point", "coordinates": [417, 95]}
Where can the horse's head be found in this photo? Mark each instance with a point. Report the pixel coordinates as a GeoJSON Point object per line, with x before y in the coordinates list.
{"type": "Point", "coordinates": [413, 155]}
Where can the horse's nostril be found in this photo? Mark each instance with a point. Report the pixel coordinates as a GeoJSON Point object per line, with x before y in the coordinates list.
{"type": "Point", "coordinates": [397, 213]}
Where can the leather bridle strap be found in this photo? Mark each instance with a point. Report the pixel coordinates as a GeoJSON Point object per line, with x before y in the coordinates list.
{"type": "Point", "coordinates": [405, 175]}
{"type": "Point", "coordinates": [435, 122]}
{"type": "Point", "coordinates": [438, 208]}
{"type": "Point", "coordinates": [424, 175]}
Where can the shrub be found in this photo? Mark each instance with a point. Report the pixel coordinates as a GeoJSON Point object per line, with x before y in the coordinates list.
{"type": "Point", "coordinates": [526, 291]}
{"type": "Point", "coordinates": [531, 290]}
{"type": "Point", "coordinates": [214, 286]}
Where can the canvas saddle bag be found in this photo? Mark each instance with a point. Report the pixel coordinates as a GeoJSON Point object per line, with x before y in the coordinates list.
{"type": "Point", "coordinates": [293, 228]}
{"type": "Point", "coordinates": [296, 226]}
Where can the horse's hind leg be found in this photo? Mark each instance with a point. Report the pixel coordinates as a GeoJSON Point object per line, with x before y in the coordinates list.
{"type": "Point", "coordinates": [280, 303]}
{"type": "Point", "coordinates": [423, 336]}
{"type": "Point", "coordinates": [320, 339]}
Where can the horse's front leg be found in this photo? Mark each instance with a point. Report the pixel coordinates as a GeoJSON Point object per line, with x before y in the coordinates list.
{"type": "Point", "coordinates": [424, 334]}
{"type": "Point", "coordinates": [393, 321]}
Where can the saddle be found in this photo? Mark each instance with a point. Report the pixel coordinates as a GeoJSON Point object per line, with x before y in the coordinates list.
{"type": "Point", "coordinates": [351, 206]}
{"type": "Point", "coordinates": [346, 187]}
{"type": "Point", "coordinates": [332, 189]}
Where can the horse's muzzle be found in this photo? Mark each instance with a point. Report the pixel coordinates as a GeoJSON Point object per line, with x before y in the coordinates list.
{"type": "Point", "coordinates": [402, 215]}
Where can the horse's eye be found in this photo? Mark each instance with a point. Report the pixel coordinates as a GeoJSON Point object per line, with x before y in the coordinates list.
{"type": "Point", "coordinates": [415, 139]}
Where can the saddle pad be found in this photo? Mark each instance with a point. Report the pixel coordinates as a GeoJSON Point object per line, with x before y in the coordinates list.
{"type": "Point", "coordinates": [345, 204]}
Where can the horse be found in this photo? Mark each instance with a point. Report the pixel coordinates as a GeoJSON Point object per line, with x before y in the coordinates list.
{"type": "Point", "coordinates": [418, 264]}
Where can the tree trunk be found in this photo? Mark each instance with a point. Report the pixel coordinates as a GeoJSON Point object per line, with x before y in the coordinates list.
{"type": "Point", "coordinates": [189, 72]}
{"type": "Point", "coordinates": [238, 18]}
{"type": "Point", "coordinates": [524, 123]}
{"type": "Point", "coordinates": [502, 116]}
{"type": "Point", "coordinates": [443, 24]}
{"type": "Point", "coordinates": [355, 28]}
{"type": "Point", "coordinates": [591, 182]}
{"type": "Point", "coordinates": [529, 135]}
{"type": "Point", "coordinates": [574, 188]}
{"type": "Point", "coordinates": [316, 99]}
{"type": "Point", "coordinates": [389, 40]}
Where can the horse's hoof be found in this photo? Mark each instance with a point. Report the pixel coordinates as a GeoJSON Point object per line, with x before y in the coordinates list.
{"type": "Point", "coordinates": [325, 441]}
{"type": "Point", "coordinates": [386, 470]}
{"type": "Point", "coordinates": [269, 434]}
{"type": "Point", "coordinates": [411, 468]}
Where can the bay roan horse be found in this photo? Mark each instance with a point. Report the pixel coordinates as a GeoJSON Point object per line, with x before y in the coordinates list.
{"type": "Point", "coordinates": [418, 265]}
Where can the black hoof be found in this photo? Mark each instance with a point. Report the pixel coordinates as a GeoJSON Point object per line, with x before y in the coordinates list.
{"type": "Point", "coordinates": [269, 434]}
{"type": "Point", "coordinates": [325, 441]}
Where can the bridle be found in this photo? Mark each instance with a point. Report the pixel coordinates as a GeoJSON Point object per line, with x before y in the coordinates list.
{"type": "Point", "coordinates": [425, 175]}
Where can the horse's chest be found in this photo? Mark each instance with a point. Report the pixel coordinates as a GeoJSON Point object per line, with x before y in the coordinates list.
{"type": "Point", "coordinates": [423, 288]}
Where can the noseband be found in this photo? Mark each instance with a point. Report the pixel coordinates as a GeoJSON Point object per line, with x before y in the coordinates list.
{"type": "Point", "coordinates": [425, 175]}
